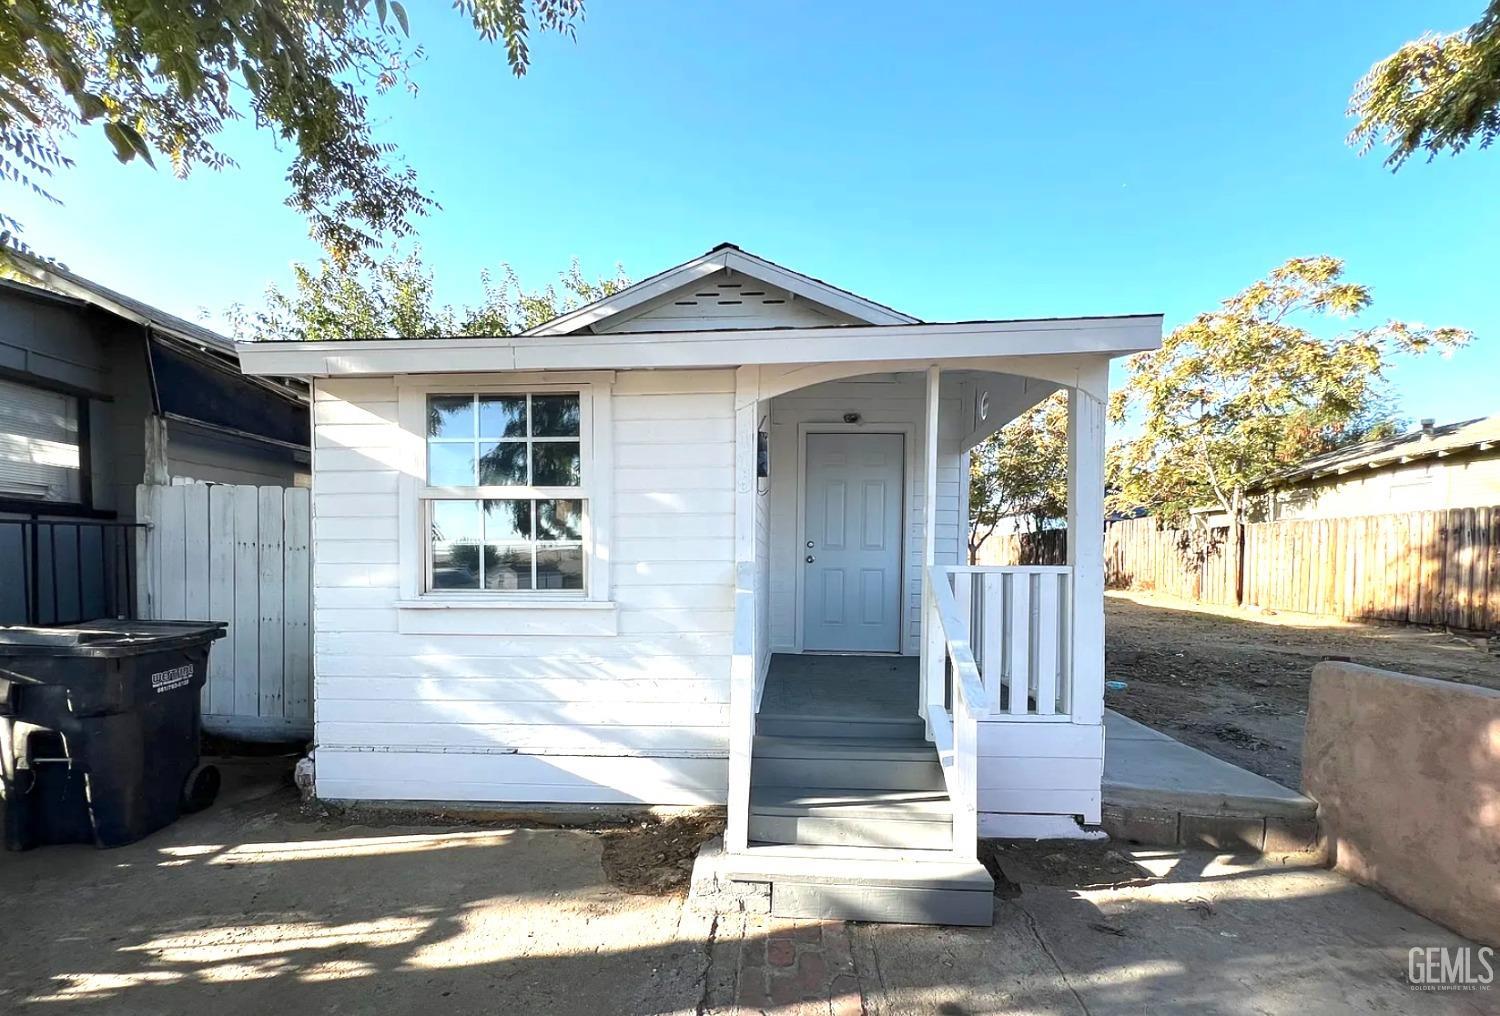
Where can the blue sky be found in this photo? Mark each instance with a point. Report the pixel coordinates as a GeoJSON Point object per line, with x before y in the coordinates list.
{"type": "Point", "coordinates": [992, 160]}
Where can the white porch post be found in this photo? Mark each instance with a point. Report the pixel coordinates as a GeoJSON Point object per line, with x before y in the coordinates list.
{"type": "Point", "coordinates": [743, 662]}
{"type": "Point", "coordinates": [1086, 549]}
{"type": "Point", "coordinates": [932, 658]}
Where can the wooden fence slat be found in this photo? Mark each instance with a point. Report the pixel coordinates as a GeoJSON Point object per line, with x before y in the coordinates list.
{"type": "Point", "coordinates": [271, 567]}
{"type": "Point", "coordinates": [296, 594]}
{"type": "Point", "coordinates": [246, 601]}
{"type": "Point", "coordinates": [194, 557]}
{"type": "Point", "coordinates": [221, 659]}
{"type": "Point", "coordinates": [1466, 567]}
{"type": "Point", "coordinates": [170, 530]}
{"type": "Point", "coordinates": [1492, 623]}
{"type": "Point", "coordinates": [1386, 608]}
{"type": "Point", "coordinates": [1480, 590]}
{"type": "Point", "coordinates": [1429, 591]}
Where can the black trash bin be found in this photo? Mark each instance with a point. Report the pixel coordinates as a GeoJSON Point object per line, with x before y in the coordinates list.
{"type": "Point", "coordinates": [99, 729]}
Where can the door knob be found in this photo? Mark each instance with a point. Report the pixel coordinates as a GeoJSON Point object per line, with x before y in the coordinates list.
{"type": "Point", "coordinates": [809, 559]}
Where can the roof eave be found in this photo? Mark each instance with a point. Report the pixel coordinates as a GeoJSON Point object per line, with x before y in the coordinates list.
{"type": "Point", "coordinates": [1112, 336]}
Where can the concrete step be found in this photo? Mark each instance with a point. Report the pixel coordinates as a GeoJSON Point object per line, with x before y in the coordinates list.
{"type": "Point", "coordinates": [833, 883]}
{"type": "Point", "coordinates": [792, 725]}
{"type": "Point", "coordinates": [851, 816]}
{"type": "Point", "coordinates": [845, 762]}
{"type": "Point", "coordinates": [1160, 791]}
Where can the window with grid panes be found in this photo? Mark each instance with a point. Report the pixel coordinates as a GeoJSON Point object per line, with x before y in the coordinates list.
{"type": "Point", "coordinates": [506, 493]}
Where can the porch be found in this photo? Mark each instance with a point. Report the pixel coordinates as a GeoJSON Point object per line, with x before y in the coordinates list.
{"type": "Point", "coordinates": [897, 702]}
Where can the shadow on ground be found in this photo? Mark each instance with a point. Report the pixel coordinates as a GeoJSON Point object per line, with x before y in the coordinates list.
{"type": "Point", "coordinates": [253, 907]}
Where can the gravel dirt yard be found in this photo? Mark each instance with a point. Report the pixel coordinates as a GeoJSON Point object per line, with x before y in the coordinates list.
{"type": "Point", "coordinates": [1234, 682]}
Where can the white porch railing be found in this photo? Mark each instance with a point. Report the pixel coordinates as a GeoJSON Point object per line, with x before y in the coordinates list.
{"type": "Point", "coordinates": [997, 649]}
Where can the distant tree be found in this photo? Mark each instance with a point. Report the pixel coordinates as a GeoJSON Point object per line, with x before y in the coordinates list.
{"type": "Point", "coordinates": [162, 78]}
{"type": "Point", "coordinates": [1243, 392]}
{"type": "Point", "coordinates": [1439, 93]}
{"type": "Point", "coordinates": [394, 297]}
{"type": "Point", "coordinates": [1020, 472]}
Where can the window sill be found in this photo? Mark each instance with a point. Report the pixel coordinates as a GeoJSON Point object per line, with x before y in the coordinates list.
{"type": "Point", "coordinates": [458, 615]}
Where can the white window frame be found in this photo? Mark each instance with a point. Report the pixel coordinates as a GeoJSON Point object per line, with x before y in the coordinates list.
{"type": "Point", "coordinates": [595, 426]}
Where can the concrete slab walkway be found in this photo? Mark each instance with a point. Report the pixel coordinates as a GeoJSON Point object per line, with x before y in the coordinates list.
{"type": "Point", "coordinates": [252, 908]}
{"type": "Point", "coordinates": [1194, 934]}
{"type": "Point", "coordinates": [1158, 790]}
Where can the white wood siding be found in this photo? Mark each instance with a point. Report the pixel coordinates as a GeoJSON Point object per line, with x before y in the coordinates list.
{"type": "Point", "coordinates": [636, 717]}
{"type": "Point", "coordinates": [884, 399]}
{"type": "Point", "coordinates": [1032, 768]}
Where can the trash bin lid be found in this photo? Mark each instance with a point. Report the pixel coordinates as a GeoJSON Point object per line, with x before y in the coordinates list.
{"type": "Point", "coordinates": [107, 637]}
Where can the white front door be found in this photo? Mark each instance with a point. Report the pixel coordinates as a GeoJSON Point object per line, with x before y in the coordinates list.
{"type": "Point", "coordinates": [851, 553]}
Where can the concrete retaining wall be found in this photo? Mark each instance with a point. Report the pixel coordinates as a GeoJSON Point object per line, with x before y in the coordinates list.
{"type": "Point", "coordinates": [1406, 773]}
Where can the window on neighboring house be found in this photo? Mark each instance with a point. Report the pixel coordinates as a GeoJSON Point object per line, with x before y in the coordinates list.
{"type": "Point", "coordinates": [507, 493]}
{"type": "Point", "coordinates": [40, 445]}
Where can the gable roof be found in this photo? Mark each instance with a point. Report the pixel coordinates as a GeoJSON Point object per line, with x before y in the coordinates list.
{"type": "Point", "coordinates": [1481, 434]}
{"type": "Point", "coordinates": [725, 255]}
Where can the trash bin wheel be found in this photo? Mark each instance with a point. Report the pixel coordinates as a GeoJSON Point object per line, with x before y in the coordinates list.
{"type": "Point", "coordinates": [200, 788]}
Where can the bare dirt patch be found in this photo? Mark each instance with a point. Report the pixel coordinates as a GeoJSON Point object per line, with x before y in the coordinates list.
{"type": "Point", "coordinates": [1234, 682]}
{"type": "Point", "coordinates": [656, 858]}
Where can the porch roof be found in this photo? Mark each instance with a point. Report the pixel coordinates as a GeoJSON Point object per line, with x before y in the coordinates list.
{"type": "Point", "coordinates": [917, 343]}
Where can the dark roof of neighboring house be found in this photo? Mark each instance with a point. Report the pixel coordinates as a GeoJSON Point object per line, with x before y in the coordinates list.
{"type": "Point", "coordinates": [60, 280]}
{"type": "Point", "coordinates": [1478, 435]}
{"type": "Point", "coordinates": [193, 339]}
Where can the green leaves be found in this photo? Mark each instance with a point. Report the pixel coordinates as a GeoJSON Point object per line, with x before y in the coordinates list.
{"type": "Point", "coordinates": [127, 141]}
{"type": "Point", "coordinates": [1439, 93]}
{"type": "Point", "coordinates": [1021, 472]}
{"type": "Point", "coordinates": [1242, 393]}
{"type": "Point", "coordinates": [396, 297]}
{"type": "Point", "coordinates": [164, 77]}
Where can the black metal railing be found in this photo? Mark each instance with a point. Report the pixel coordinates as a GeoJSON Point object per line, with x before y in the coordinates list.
{"type": "Point", "coordinates": [62, 571]}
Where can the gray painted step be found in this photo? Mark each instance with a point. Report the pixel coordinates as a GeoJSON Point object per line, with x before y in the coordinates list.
{"type": "Point", "coordinates": [860, 817]}
{"type": "Point", "coordinates": [888, 904]}
{"type": "Point", "coordinates": [842, 883]}
{"type": "Point", "coordinates": [860, 763]}
{"type": "Point", "coordinates": [793, 725]}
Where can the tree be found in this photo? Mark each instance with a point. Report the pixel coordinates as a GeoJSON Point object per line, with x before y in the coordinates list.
{"type": "Point", "coordinates": [1241, 393]}
{"type": "Point", "coordinates": [165, 78]}
{"type": "Point", "coordinates": [1020, 472]}
{"type": "Point", "coordinates": [394, 297]}
{"type": "Point", "coordinates": [1439, 93]}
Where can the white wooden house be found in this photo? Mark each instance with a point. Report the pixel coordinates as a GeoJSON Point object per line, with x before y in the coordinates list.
{"type": "Point", "coordinates": [701, 543]}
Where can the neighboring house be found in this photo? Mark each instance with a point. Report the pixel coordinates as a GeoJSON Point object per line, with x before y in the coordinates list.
{"type": "Point", "coordinates": [1428, 469]}
{"type": "Point", "coordinates": [699, 543]}
{"type": "Point", "coordinates": [99, 393]}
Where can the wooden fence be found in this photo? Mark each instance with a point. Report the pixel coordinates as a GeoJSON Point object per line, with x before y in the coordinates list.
{"type": "Point", "coordinates": [1424, 567]}
{"type": "Point", "coordinates": [238, 554]}
{"type": "Point", "coordinates": [1049, 547]}
{"type": "Point", "coordinates": [1438, 567]}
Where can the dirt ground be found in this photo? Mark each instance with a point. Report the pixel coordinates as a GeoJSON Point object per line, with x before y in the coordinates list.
{"type": "Point", "coordinates": [1234, 682]}
{"type": "Point", "coordinates": [259, 906]}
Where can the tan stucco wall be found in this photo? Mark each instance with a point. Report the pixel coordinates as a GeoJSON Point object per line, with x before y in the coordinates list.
{"type": "Point", "coordinates": [1429, 485]}
{"type": "Point", "coordinates": [1406, 773]}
